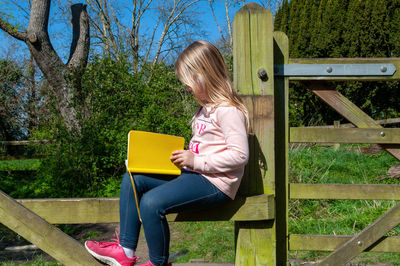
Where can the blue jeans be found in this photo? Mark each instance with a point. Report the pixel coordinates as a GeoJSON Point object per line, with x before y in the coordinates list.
{"type": "Point", "coordinates": [159, 195]}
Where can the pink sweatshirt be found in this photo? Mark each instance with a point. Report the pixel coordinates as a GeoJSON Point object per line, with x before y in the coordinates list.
{"type": "Point", "coordinates": [220, 146]}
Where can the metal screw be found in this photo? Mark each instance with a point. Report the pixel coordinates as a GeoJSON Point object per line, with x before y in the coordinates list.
{"type": "Point", "coordinates": [359, 243]}
{"type": "Point", "coordinates": [383, 69]}
{"type": "Point", "coordinates": [262, 74]}
{"type": "Point", "coordinates": [383, 134]}
{"type": "Point", "coordinates": [329, 69]}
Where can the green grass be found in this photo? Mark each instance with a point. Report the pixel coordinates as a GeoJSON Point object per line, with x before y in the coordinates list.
{"type": "Point", "coordinates": [20, 165]}
{"type": "Point", "coordinates": [38, 261]}
{"type": "Point", "coordinates": [211, 241]}
{"type": "Point", "coordinates": [339, 217]}
{"type": "Point", "coordinates": [17, 177]}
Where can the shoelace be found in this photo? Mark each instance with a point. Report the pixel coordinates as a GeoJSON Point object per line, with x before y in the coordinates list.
{"type": "Point", "coordinates": [115, 243]}
{"type": "Point", "coordinates": [108, 244]}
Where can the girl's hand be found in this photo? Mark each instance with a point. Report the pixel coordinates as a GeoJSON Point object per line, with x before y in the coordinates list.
{"type": "Point", "coordinates": [183, 158]}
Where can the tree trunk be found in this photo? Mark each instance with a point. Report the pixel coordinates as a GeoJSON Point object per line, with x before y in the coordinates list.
{"type": "Point", "coordinates": [54, 70]}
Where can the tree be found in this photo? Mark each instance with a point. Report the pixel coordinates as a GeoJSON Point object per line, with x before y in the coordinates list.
{"type": "Point", "coordinates": [171, 29]}
{"type": "Point", "coordinates": [64, 79]}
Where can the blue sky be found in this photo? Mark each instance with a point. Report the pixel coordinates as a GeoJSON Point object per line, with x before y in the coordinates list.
{"type": "Point", "coordinates": [60, 31]}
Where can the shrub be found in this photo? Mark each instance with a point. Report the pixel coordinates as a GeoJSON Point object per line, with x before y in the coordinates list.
{"type": "Point", "coordinates": [113, 99]}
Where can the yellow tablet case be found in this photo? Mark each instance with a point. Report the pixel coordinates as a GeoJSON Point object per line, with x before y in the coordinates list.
{"type": "Point", "coordinates": [149, 153]}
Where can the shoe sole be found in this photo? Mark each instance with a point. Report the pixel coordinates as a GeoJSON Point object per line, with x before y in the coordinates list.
{"type": "Point", "coordinates": [108, 260]}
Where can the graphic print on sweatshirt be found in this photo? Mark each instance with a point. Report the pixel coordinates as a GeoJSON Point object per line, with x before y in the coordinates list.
{"type": "Point", "coordinates": [200, 126]}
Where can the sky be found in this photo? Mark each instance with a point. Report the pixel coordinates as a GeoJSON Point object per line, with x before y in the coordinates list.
{"type": "Point", "coordinates": [61, 32]}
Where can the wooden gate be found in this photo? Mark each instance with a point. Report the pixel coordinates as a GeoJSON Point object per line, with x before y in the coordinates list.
{"type": "Point", "coordinates": [260, 211]}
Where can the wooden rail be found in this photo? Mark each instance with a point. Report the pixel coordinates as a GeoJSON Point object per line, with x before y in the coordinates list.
{"type": "Point", "coordinates": [345, 191]}
{"type": "Point", "coordinates": [25, 142]}
{"type": "Point", "coordinates": [106, 210]}
{"type": "Point", "coordinates": [345, 135]}
{"type": "Point", "coordinates": [331, 243]}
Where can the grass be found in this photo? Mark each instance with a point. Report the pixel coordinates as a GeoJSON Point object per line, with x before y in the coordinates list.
{"type": "Point", "coordinates": [20, 165]}
{"type": "Point", "coordinates": [214, 241]}
{"type": "Point", "coordinates": [38, 261]}
{"type": "Point", "coordinates": [211, 241]}
{"type": "Point", "coordinates": [339, 217]}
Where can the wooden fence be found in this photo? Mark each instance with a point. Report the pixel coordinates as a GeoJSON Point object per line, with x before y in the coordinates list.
{"type": "Point", "coordinates": [260, 211]}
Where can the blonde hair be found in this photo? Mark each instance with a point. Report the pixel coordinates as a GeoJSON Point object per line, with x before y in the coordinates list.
{"type": "Point", "coordinates": [201, 65]}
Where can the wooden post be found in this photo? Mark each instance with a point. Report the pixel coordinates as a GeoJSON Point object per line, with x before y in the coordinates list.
{"type": "Point", "coordinates": [253, 77]}
{"type": "Point", "coordinates": [281, 56]}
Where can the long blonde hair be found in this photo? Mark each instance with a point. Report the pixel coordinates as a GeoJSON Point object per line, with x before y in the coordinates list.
{"type": "Point", "coordinates": [201, 65]}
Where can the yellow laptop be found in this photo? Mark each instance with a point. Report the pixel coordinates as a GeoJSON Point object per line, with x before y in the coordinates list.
{"type": "Point", "coordinates": [149, 153]}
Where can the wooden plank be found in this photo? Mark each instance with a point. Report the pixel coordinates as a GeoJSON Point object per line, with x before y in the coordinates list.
{"type": "Point", "coordinates": [348, 110]}
{"type": "Point", "coordinates": [25, 142]}
{"type": "Point", "coordinates": [252, 51]}
{"type": "Point", "coordinates": [349, 125]}
{"type": "Point", "coordinates": [281, 93]}
{"type": "Point", "coordinates": [395, 61]}
{"type": "Point", "coordinates": [345, 135]}
{"type": "Point", "coordinates": [345, 191]}
{"type": "Point", "coordinates": [257, 241]}
{"type": "Point", "coordinates": [75, 210]}
{"type": "Point", "coordinates": [254, 208]}
{"type": "Point", "coordinates": [367, 237]}
{"type": "Point", "coordinates": [106, 210]}
{"type": "Point", "coordinates": [331, 243]}
{"type": "Point", "coordinates": [47, 237]}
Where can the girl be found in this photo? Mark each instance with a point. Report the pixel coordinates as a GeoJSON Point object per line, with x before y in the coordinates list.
{"type": "Point", "coordinates": [211, 169]}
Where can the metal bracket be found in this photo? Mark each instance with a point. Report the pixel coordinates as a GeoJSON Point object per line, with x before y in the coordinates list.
{"type": "Point", "coordinates": [293, 70]}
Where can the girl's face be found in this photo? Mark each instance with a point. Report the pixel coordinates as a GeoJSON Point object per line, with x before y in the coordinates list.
{"type": "Point", "coordinates": [199, 92]}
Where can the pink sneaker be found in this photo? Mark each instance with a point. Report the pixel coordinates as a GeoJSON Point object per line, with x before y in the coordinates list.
{"type": "Point", "coordinates": [110, 253]}
{"type": "Point", "coordinates": [151, 264]}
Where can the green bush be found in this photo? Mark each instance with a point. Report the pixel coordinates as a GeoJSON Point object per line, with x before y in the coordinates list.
{"type": "Point", "coordinates": [113, 99]}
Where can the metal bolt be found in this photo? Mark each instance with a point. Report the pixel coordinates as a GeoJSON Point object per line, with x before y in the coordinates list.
{"type": "Point", "coordinates": [262, 74]}
{"type": "Point", "coordinates": [359, 243]}
{"type": "Point", "coordinates": [383, 134]}
{"type": "Point", "coordinates": [329, 69]}
{"type": "Point", "coordinates": [383, 69]}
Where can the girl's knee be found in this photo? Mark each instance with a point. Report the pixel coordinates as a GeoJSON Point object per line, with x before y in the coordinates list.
{"type": "Point", "coordinates": [151, 204]}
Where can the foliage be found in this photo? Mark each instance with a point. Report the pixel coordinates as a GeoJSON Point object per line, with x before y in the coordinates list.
{"type": "Point", "coordinates": [11, 111]}
{"type": "Point", "coordinates": [342, 28]}
{"type": "Point", "coordinates": [116, 99]}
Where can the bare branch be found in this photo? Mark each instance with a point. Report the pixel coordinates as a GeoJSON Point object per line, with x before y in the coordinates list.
{"type": "Point", "coordinates": [215, 19]}
{"type": "Point", "coordinates": [172, 18]}
{"type": "Point", "coordinates": [228, 22]}
{"type": "Point", "coordinates": [7, 27]}
{"type": "Point", "coordinates": [152, 39]}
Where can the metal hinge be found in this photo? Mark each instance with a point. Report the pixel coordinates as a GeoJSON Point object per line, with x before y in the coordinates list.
{"type": "Point", "coordinates": [293, 70]}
